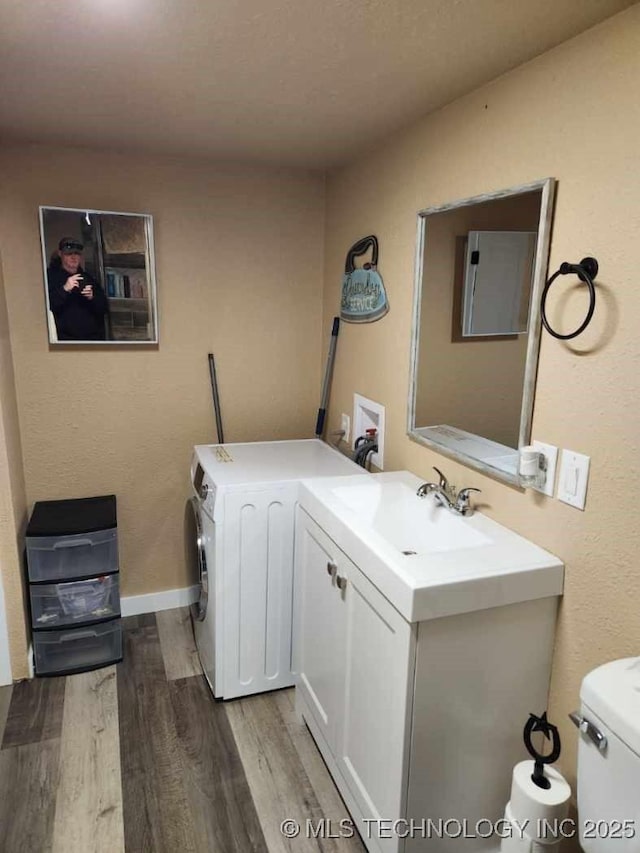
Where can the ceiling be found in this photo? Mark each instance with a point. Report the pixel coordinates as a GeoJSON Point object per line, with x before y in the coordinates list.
{"type": "Point", "coordinates": [307, 83]}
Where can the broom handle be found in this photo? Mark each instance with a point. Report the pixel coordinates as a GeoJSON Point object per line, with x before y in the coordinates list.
{"type": "Point", "coordinates": [216, 398]}
{"type": "Point", "coordinates": [322, 411]}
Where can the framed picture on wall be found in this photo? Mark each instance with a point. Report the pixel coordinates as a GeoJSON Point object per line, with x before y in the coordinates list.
{"type": "Point", "coordinates": [99, 276]}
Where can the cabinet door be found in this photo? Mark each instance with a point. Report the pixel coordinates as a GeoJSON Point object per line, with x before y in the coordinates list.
{"type": "Point", "coordinates": [318, 625]}
{"type": "Point", "coordinates": [373, 737]}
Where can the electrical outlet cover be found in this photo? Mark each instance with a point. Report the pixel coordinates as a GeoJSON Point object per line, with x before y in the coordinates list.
{"type": "Point", "coordinates": [551, 455]}
{"type": "Point", "coordinates": [345, 427]}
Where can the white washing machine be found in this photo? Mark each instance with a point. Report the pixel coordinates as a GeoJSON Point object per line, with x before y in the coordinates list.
{"type": "Point", "coordinates": [241, 521]}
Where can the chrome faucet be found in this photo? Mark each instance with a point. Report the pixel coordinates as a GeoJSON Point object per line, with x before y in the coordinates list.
{"type": "Point", "coordinates": [447, 496]}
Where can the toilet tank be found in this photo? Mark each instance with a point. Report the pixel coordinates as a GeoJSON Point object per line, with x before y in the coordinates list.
{"type": "Point", "coordinates": [609, 778]}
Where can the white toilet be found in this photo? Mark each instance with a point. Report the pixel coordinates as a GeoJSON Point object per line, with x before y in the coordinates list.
{"type": "Point", "coordinates": [609, 758]}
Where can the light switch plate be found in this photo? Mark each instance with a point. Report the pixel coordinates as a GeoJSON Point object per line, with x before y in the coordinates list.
{"type": "Point", "coordinates": [551, 455]}
{"type": "Point", "coordinates": [573, 478]}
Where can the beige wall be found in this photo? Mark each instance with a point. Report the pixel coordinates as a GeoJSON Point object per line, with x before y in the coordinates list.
{"type": "Point", "coordinates": [573, 114]}
{"type": "Point", "coordinates": [13, 510]}
{"type": "Point", "coordinates": [238, 254]}
{"type": "Point", "coordinates": [475, 385]}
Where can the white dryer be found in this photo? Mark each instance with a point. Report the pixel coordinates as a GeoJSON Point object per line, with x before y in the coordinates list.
{"type": "Point", "coordinates": [241, 536]}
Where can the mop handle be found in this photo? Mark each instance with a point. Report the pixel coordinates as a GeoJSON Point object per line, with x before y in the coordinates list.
{"type": "Point", "coordinates": [322, 411]}
{"type": "Point", "coordinates": [216, 398]}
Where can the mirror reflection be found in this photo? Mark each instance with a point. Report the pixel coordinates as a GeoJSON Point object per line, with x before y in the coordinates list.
{"type": "Point", "coordinates": [476, 324]}
{"type": "Point", "coordinates": [99, 276]}
{"type": "Point", "coordinates": [498, 266]}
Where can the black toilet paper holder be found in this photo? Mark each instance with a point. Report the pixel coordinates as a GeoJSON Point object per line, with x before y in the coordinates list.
{"type": "Point", "coordinates": [541, 724]}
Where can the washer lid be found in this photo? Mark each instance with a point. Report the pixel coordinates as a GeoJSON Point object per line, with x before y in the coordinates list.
{"type": "Point", "coordinates": [264, 462]}
{"type": "Point", "coordinates": [612, 692]}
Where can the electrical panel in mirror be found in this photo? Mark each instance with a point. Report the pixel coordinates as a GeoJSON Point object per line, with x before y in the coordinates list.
{"type": "Point", "coordinates": [480, 269]}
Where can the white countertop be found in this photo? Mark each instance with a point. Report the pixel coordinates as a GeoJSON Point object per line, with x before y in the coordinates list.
{"type": "Point", "coordinates": [506, 568]}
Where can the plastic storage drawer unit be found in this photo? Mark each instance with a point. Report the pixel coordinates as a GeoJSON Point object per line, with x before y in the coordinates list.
{"type": "Point", "coordinates": [77, 649]}
{"type": "Point", "coordinates": [77, 603]}
{"type": "Point", "coordinates": [74, 585]}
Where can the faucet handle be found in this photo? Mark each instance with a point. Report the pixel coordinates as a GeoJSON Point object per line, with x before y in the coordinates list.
{"type": "Point", "coordinates": [444, 483]}
{"type": "Point", "coordinates": [463, 504]}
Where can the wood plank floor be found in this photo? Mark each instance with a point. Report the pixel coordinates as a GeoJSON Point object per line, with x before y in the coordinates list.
{"type": "Point", "coordinates": [89, 797]}
{"type": "Point", "coordinates": [139, 758]}
{"type": "Point", "coordinates": [5, 700]}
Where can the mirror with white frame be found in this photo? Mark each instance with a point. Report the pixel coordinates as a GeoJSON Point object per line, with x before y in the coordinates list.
{"type": "Point", "coordinates": [481, 265]}
{"type": "Point", "coordinates": [99, 276]}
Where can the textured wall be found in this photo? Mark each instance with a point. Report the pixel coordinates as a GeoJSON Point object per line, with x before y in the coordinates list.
{"type": "Point", "coordinates": [237, 252]}
{"type": "Point", "coordinates": [573, 114]}
{"type": "Point", "coordinates": [13, 509]}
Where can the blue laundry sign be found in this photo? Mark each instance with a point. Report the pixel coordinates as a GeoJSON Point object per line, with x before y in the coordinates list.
{"type": "Point", "coordinates": [364, 298]}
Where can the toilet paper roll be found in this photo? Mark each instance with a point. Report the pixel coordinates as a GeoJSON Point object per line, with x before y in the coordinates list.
{"type": "Point", "coordinates": [514, 837]}
{"type": "Point", "coordinates": [517, 837]}
{"type": "Point", "coordinates": [539, 807]}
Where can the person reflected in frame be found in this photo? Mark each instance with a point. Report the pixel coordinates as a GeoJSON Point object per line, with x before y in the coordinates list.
{"type": "Point", "coordinates": [77, 301]}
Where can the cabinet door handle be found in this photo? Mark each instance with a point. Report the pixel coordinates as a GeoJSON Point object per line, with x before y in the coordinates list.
{"type": "Point", "coordinates": [341, 582]}
{"type": "Point", "coordinates": [331, 568]}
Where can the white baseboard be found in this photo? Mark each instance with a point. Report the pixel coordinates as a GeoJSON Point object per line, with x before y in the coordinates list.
{"type": "Point", "coordinates": [152, 602]}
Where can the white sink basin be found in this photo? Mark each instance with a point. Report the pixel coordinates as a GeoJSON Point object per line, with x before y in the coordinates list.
{"type": "Point", "coordinates": [427, 561]}
{"type": "Point", "coordinates": [411, 524]}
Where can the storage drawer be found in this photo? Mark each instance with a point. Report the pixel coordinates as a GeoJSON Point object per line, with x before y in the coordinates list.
{"type": "Point", "coordinates": [58, 604]}
{"type": "Point", "coordinates": [82, 555]}
{"type": "Point", "coordinates": [77, 649]}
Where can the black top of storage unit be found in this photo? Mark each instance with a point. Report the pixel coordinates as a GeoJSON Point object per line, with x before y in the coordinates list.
{"type": "Point", "coordinates": [81, 515]}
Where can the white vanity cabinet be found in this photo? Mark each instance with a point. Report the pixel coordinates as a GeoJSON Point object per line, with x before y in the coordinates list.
{"type": "Point", "coordinates": [416, 683]}
{"type": "Point", "coordinates": [354, 658]}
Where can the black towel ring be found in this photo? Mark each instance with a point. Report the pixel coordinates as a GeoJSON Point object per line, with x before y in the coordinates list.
{"type": "Point", "coordinates": [586, 271]}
